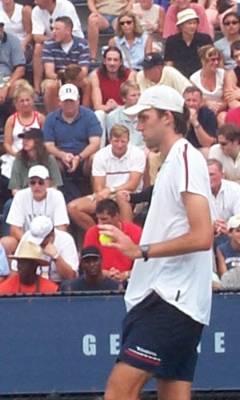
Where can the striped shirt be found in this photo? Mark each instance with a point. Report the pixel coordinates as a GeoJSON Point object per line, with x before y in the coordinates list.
{"type": "Point", "coordinates": [77, 54]}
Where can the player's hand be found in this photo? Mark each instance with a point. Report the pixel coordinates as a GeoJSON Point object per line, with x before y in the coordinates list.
{"type": "Point", "coordinates": [120, 241]}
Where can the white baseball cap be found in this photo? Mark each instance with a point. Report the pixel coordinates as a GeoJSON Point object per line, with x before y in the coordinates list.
{"type": "Point", "coordinates": [234, 222]}
{"type": "Point", "coordinates": [39, 171]}
{"type": "Point", "coordinates": [186, 15]}
{"type": "Point", "coordinates": [39, 228]}
{"type": "Point", "coordinates": [68, 92]}
{"type": "Point", "coordinates": [161, 97]}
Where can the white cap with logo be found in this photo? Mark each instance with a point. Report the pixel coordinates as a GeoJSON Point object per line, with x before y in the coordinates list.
{"type": "Point", "coordinates": [234, 222]}
{"type": "Point", "coordinates": [68, 92]}
{"type": "Point", "coordinates": [161, 97]}
{"type": "Point", "coordinates": [38, 171]}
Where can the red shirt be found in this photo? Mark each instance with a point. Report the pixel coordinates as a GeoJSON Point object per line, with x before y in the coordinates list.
{"type": "Point", "coordinates": [110, 88]}
{"type": "Point", "coordinates": [12, 285]}
{"type": "Point", "coordinates": [113, 257]}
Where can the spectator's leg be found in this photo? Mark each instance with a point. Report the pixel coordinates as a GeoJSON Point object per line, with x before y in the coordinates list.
{"type": "Point", "coordinates": [96, 22]}
{"type": "Point", "coordinates": [50, 94]}
{"type": "Point", "coordinates": [81, 211]}
{"type": "Point", "coordinates": [37, 67]}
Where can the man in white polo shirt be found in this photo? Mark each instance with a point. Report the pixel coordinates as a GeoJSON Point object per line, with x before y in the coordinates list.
{"type": "Point", "coordinates": [169, 293]}
{"type": "Point", "coordinates": [37, 199]}
{"type": "Point", "coordinates": [118, 166]}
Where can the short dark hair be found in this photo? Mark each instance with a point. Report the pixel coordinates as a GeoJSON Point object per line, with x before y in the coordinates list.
{"type": "Point", "coordinates": [65, 20]}
{"type": "Point", "coordinates": [192, 89]}
{"type": "Point", "coordinates": [108, 205]}
{"type": "Point", "coordinates": [180, 120]}
{"type": "Point", "coordinates": [231, 132]}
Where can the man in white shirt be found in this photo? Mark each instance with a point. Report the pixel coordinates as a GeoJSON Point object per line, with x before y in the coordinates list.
{"type": "Point", "coordinates": [43, 16]}
{"type": "Point", "coordinates": [225, 199]}
{"type": "Point", "coordinates": [58, 248]}
{"type": "Point", "coordinates": [37, 199]}
{"type": "Point", "coordinates": [118, 166]}
{"type": "Point", "coordinates": [168, 297]}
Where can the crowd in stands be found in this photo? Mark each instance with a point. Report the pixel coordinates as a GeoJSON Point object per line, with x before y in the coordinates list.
{"type": "Point", "coordinates": [71, 157]}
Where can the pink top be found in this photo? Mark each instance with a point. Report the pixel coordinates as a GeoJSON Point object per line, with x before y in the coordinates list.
{"type": "Point", "coordinates": [170, 27]}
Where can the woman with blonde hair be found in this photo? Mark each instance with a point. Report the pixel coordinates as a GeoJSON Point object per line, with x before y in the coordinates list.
{"type": "Point", "coordinates": [210, 79]}
{"type": "Point", "coordinates": [23, 119]}
{"type": "Point", "coordinates": [131, 40]}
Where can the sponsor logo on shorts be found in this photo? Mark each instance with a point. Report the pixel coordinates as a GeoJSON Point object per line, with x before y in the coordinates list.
{"type": "Point", "coordinates": [143, 355]}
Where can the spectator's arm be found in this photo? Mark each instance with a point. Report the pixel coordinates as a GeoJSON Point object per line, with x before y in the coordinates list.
{"type": "Point", "coordinates": [99, 183]}
{"type": "Point", "coordinates": [27, 25]}
{"type": "Point", "coordinates": [97, 99]}
{"type": "Point", "coordinates": [63, 268]}
{"type": "Point", "coordinates": [40, 38]}
{"type": "Point", "coordinates": [8, 138]}
{"type": "Point", "coordinates": [231, 91]}
{"type": "Point", "coordinates": [16, 232]}
{"type": "Point", "coordinates": [52, 149]}
{"type": "Point", "coordinates": [221, 265]}
{"type": "Point", "coordinates": [49, 69]}
{"type": "Point", "coordinates": [132, 183]}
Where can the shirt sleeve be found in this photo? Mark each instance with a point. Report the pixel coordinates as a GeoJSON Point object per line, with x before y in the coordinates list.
{"type": "Point", "coordinates": [16, 213]}
{"type": "Point", "coordinates": [60, 216]}
{"type": "Point", "coordinates": [69, 252]}
{"type": "Point", "coordinates": [49, 129]}
{"type": "Point", "coordinates": [99, 164]}
{"type": "Point", "coordinates": [138, 162]}
{"type": "Point", "coordinates": [47, 55]}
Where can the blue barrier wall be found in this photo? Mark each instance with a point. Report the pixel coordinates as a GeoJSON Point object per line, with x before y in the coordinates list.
{"type": "Point", "coordinates": [68, 344]}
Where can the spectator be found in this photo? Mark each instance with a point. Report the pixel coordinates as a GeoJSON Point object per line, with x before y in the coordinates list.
{"type": "Point", "coordinates": [106, 81]}
{"type": "Point", "coordinates": [210, 79]}
{"type": "Point", "coordinates": [118, 166]}
{"type": "Point", "coordinates": [228, 254]}
{"type": "Point", "coordinates": [58, 248]}
{"type": "Point", "coordinates": [37, 199]}
{"type": "Point", "coordinates": [115, 264]}
{"type": "Point", "coordinates": [187, 41]}
{"type": "Point", "coordinates": [170, 28]}
{"type": "Point", "coordinates": [33, 153]}
{"type": "Point", "coordinates": [26, 281]}
{"type": "Point", "coordinates": [232, 86]}
{"type": "Point", "coordinates": [58, 53]}
{"type": "Point", "coordinates": [102, 18]}
{"type": "Point", "coordinates": [43, 16]}
{"type": "Point", "coordinates": [4, 267]}
{"type": "Point", "coordinates": [225, 199]}
{"type": "Point", "coordinates": [72, 74]}
{"type": "Point", "coordinates": [156, 73]}
{"type": "Point", "coordinates": [17, 18]}
{"type": "Point", "coordinates": [227, 151]}
{"type": "Point", "coordinates": [92, 278]}
{"type": "Point", "coordinates": [231, 27]}
{"type": "Point", "coordinates": [202, 131]}
{"type": "Point", "coordinates": [72, 134]}
{"type": "Point", "coordinates": [130, 39]}
{"type": "Point", "coordinates": [151, 17]}
{"type": "Point", "coordinates": [130, 93]}
{"type": "Point", "coordinates": [12, 68]}
{"type": "Point", "coordinates": [25, 118]}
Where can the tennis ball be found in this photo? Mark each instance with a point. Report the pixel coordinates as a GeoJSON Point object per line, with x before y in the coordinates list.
{"type": "Point", "coordinates": [104, 239]}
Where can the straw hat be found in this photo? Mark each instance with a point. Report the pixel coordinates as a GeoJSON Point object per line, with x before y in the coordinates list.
{"type": "Point", "coordinates": [31, 252]}
{"type": "Point", "coordinates": [186, 15]}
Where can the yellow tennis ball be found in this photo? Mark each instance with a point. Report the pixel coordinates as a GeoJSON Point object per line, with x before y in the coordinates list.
{"type": "Point", "coordinates": [104, 239]}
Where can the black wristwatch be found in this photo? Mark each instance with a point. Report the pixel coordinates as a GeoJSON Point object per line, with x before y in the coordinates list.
{"type": "Point", "coordinates": [144, 249]}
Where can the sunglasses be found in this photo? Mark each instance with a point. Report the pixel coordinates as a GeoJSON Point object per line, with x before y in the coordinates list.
{"type": "Point", "coordinates": [34, 182]}
{"type": "Point", "coordinates": [231, 23]}
{"type": "Point", "coordinates": [129, 22]}
{"type": "Point", "coordinates": [51, 23]}
{"type": "Point", "coordinates": [223, 143]}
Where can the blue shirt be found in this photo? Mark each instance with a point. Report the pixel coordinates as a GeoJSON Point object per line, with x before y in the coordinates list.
{"type": "Point", "coordinates": [11, 54]}
{"type": "Point", "coordinates": [78, 53]}
{"type": "Point", "coordinates": [135, 52]}
{"type": "Point", "coordinates": [4, 268]}
{"type": "Point", "coordinates": [71, 137]}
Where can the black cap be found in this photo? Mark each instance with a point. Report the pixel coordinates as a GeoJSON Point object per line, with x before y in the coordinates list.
{"type": "Point", "coordinates": [152, 59]}
{"type": "Point", "coordinates": [1, 23]}
{"type": "Point", "coordinates": [32, 133]}
{"type": "Point", "coordinates": [90, 251]}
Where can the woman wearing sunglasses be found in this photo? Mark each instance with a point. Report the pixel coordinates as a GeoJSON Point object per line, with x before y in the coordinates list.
{"type": "Point", "coordinates": [131, 40]}
{"type": "Point", "coordinates": [231, 31]}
